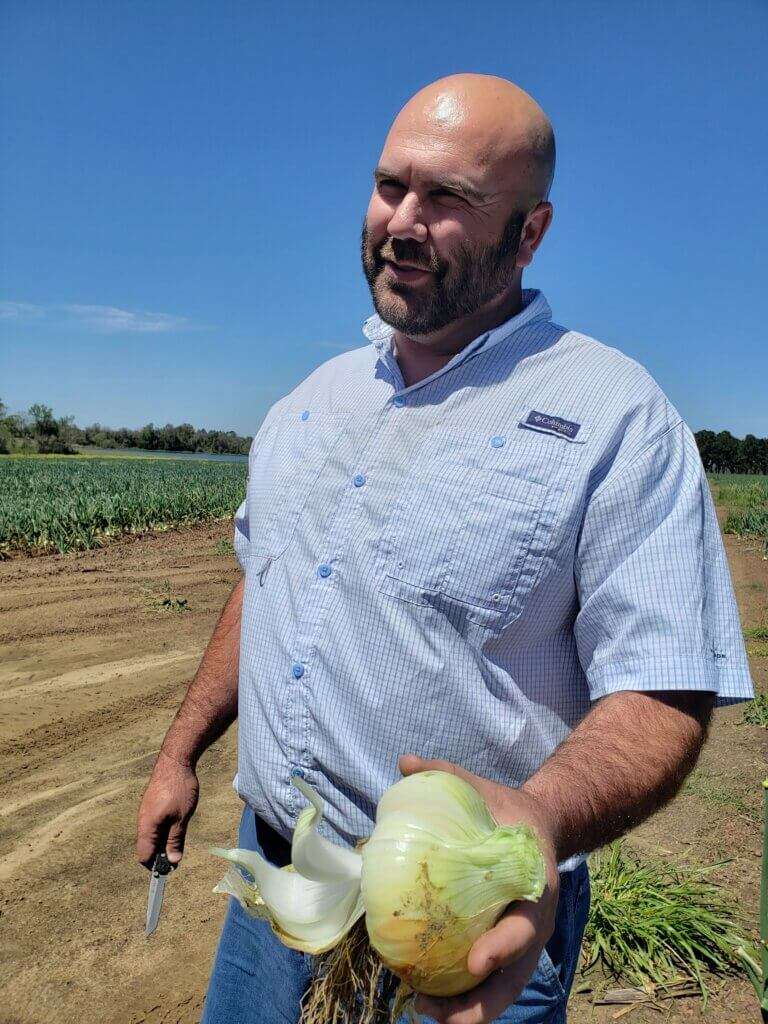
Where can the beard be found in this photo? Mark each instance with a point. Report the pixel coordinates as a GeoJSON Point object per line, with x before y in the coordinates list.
{"type": "Point", "coordinates": [475, 276]}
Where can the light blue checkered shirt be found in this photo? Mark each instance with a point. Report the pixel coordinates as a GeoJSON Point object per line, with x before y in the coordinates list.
{"type": "Point", "coordinates": [460, 567]}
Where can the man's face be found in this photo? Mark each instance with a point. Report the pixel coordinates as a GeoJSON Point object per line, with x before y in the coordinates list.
{"type": "Point", "coordinates": [469, 244]}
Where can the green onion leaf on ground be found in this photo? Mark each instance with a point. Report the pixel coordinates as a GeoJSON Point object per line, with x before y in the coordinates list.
{"type": "Point", "coordinates": [651, 923]}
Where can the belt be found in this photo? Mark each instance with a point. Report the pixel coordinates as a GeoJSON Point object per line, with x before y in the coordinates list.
{"type": "Point", "coordinates": [273, 846]}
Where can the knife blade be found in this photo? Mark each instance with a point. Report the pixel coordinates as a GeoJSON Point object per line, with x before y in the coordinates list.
{"type": "Point", "coordinates": [160, 870]}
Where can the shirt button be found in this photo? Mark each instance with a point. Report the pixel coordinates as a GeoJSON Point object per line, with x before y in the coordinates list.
{"type": "Point", "coordinates": [305, 414]}
{"type": "Point", "coordinates": [497, 442]}
{"type": "Point", "coordinates": [298, 669]}
{"type": "Point", "coordinates": [297, 772]}
{"type": "Point", "coordinates": [324, 570]}
{"type": "Point", "coordinates": [398, 400]}
{"type": "Point", "coordinates": [358, 480]}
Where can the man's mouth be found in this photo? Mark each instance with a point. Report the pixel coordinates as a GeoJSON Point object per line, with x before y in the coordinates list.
{"type": "Point", "coordinates": [407, 272]}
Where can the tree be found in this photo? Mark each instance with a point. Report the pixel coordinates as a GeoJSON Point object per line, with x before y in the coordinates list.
{"type": "Point", "coordinates": [751, 454]}
{"type": "Point", "coordinates": [725, 453]}
{"type": "Point", "coordinates": [43, 421]}
{"type": "Point", "coordinates": [705, 439]}
{"type": "Point", "coordinates": [6, 439]}
{"type": "Point", "coordinates": [148, 437]}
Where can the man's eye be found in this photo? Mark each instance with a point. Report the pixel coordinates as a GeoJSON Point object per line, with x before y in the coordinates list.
{"type": "Point", "coordinates": [435, 192]}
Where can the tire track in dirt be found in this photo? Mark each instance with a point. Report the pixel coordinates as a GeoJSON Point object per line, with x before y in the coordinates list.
{"type": "Point", "coordinates": [93, 676]}
{"type": "Point", "coordinates": [57, 829]}
{"type": "Point", "coordinates": [44, 795]}
{"type": "Point", "coordinates": [38, 745]}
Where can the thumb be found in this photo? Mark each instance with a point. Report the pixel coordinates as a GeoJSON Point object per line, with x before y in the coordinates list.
{"type": "Point", "coordinates": [174, 846]}
{"type": "Point", "coordinates": [409, 764]}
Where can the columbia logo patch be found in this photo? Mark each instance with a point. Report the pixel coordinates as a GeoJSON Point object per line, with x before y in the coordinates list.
{"type": "Point", "coordinates": [556, 424]}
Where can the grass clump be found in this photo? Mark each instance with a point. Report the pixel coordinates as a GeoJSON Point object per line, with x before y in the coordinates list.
{"type": "Point", "coordinates": [161, 599]}
{"type": "Point", "coordinates": [752, 521]}
{"type": "Point", "coordinates": [651, 923]}
{"type": "Point", "coordinates": [745, 493]}
{"type": "Point", "coordinates": [756, 711]}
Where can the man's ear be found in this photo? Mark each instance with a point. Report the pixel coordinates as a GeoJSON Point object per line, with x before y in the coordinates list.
{"type": "Point", "coordinates": [536, 226]}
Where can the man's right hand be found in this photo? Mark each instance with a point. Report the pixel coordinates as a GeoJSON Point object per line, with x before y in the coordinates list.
{"type": "Point", "coordinates": [168, 803]}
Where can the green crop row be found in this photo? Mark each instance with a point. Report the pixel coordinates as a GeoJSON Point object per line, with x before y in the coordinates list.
{"type": "Point", "coordinates": [67, 504]}
{"type": "Point", "coordinates": [746, 499]}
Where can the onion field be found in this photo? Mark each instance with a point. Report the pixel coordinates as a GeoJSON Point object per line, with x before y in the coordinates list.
{"type": "Point", "coordinates": [746, 500]}
{"type": "Point", "coordinates": [69, 504]}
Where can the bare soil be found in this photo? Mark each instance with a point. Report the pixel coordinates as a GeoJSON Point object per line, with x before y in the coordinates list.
{"type": "Point", "coordinates": [92, 669]}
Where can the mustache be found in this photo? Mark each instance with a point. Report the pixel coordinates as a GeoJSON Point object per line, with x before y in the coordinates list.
{"type": "Point", "coordinates": [406, 257]}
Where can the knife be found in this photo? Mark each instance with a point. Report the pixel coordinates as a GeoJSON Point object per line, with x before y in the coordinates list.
{"type": "Point", "coordinates": [160, 870]}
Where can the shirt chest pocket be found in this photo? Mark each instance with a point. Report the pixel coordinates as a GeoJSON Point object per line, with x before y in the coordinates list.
{"type": "Point", "coordinates": [469, 533]}
{"type": "Point", "coordinates": [296, 448]}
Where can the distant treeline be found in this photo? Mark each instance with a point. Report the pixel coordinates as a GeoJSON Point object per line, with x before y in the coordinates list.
{"type": "Point", "coordinates": [724, 453]}
{"type": "Point", "coordinates": [38, 430]}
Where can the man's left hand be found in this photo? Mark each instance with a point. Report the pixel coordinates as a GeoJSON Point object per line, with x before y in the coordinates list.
{"type": "Point", "coordinates": [505, 957]}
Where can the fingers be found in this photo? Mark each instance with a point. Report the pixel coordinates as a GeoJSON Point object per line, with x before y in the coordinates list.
{"type": "Point", "coordinates": [486, 1001]}
{"type": "Point", "coordinates": [174, 844]}
{"type": "Point", "coordinates": [168, 803]}
{"type": "Point", "coordinates": [513, 935]}
{"type": "Point", "coordinates": [150, 839]}
{"type": "Point", "coordinates": [409, 764]}
{"type": "Point", "coordinates": [167, 834]}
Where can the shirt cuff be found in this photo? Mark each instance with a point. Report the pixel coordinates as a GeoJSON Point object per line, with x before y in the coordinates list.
{"type": "Point", "coordinates": [675, 670]}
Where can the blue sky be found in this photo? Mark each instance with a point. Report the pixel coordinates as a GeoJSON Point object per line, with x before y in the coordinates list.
{"type": "Point", "coordinates": [183, 187]}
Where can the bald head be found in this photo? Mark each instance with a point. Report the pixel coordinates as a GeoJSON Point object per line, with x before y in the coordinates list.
{"type": "Point", "coordinates": [458, 209]}
{"type": "Point", "coordinates": [494, 126]}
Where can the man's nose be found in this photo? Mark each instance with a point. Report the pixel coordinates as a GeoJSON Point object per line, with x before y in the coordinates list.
{"type": "Point", "coordinates": [406, 220]}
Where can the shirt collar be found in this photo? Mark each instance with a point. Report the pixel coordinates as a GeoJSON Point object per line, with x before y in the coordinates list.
{"type": "Point", "coordinates": [535, 307]}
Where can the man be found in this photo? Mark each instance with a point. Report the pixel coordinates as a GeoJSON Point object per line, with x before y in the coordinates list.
{"type": "Point", "coordinates": [483, 539]}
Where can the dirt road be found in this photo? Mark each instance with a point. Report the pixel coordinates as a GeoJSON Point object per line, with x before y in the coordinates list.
{"type": "Point", "coordinates": [92, 668]}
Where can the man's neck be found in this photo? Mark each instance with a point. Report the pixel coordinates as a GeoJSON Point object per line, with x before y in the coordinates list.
{"type": "Point", "coordinates": [419, 359]}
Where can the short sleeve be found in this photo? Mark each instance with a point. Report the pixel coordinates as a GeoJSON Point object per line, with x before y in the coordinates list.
{"type": "Point", "coordinates": [242, 539]}
{"type": "Point", "coordinates": [657, 608]}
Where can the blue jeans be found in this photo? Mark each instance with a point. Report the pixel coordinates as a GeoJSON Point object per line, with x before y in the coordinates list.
{"type": "Point", "coordinates": [258, 980]}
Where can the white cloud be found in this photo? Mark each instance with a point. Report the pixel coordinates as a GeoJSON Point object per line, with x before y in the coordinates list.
{"type": "Point", "coordinates": [98, 319]}
{"type": "Point", "coordinates": [20, 311]}
{"type": "Point", "coordinates": [110, 320]}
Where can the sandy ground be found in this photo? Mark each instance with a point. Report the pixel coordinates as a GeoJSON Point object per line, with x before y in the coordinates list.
{"type": "Point", "coordinates": [91, 672]}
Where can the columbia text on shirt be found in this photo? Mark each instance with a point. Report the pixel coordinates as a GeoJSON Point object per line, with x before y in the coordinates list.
{"type": "Point", "coordinates": [459, 568]}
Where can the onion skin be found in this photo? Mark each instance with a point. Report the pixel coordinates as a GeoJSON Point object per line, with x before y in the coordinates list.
{"type": "Point", "coordinates": [420, 921]}
{"type": "Point", "coordinates": [437, 873]}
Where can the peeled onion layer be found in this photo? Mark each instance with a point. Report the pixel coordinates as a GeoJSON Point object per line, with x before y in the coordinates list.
{"type": "Point", "coordinates": [313, 901]}
{"type": "Point", "coordinates": [314, 856]}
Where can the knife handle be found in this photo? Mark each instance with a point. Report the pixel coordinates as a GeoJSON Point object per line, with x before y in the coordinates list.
{"type": "Point", "coordinates": [162, 865]}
